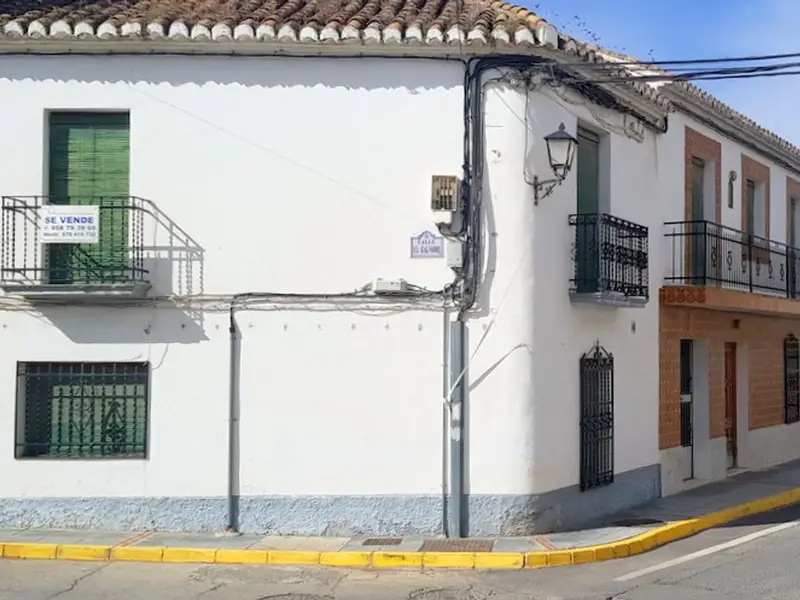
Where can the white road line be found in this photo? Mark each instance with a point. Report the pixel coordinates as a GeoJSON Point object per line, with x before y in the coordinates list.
{"type": "Point", "coordinates": [705, 552]}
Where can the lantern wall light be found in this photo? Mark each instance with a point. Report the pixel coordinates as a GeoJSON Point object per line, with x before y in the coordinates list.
{"type": "Point", "coordinates": [561, 147]}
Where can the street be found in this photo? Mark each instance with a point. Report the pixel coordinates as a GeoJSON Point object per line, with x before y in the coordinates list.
{"type": "Point", "coordinates": [753, 558]}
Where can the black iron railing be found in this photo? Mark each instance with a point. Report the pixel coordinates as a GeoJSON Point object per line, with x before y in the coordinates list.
{"type": "Point", "coordinates": [597, 418]}
{"type": "Point", "coordinates": [706, 254]}
{"type": "Point", "coordinates": [33, 249]}
{"type": "Point", "coordinates": [82, 410]}
{"type": "Point", "coordinates": [610, 255]}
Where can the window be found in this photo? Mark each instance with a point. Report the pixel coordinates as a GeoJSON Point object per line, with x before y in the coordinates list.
{"type": "Point", "coordinates": [750, 207]}
{"type": "Point", "coordinates": [89, 164]}
{"type": "Point", "coordinates": [791, 379]}
{"type": "Point", "coordinates": [597, 418]}
{"type": "Point", "coordinates": [82, 410]}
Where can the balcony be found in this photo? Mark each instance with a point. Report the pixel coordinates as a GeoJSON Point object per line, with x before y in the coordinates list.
{"type": "Point", "coordinates": [106, 262]}
{"type": "Point", "coordinates": [610, 257]}
{"type": "Point", "coordinates": [732, 266]}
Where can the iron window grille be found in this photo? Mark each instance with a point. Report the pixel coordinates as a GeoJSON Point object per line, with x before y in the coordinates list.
{"type": "Point", "coordinates": [597, 418]}
{"type": "Point", "coordinates": [82, 410]}
{"type": "Point", "coordinates": [687, 425]}
{"type": "Point", "coordinates": [791, 379]}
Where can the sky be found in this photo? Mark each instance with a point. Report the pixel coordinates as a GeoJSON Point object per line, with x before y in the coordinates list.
{"type": "Point", "coordinates": [688, 29]}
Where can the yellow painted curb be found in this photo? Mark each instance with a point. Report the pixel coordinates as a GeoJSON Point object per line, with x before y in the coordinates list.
{"type": "Point", "coordinates": [241, 557]}
{"type": "Point", "coordinates": [81, 552]}
{"type": "Point", "coordinates": [22, 550]}
{"type": "Point", "coordinates": [638, 544]}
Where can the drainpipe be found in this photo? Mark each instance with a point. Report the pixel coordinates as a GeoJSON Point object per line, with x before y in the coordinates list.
{"type": "Point", "coordinates": [445, 420]}
{"type": "Point", "coordinates": [458, 363]}
{"type": "Point", "coordinates": [233, 425]}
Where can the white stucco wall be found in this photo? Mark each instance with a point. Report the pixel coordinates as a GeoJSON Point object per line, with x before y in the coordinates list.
{"type": "Point", "coordinates": [302, 176]}
{"type": "Point", "coordinates": [564, 331]}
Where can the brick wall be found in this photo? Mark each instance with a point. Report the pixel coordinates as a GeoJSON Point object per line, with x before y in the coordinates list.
{"type": "Point", "coordinates": [763, 337]}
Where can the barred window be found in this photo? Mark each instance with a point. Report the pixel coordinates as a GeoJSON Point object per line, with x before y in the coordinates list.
{"type": "Point", "coordinates": [82, 410]}
{"type": "Point", "coordinates": [597, 418]}
{"type": "Point", "coordinates": [791, 379]}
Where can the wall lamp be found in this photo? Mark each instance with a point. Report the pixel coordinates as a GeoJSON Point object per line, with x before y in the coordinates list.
{"type": "Point", "coordinates": [561, 153]}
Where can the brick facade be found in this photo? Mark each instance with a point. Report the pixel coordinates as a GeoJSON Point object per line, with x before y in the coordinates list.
{"type": "Point", "coordinates": [719, 316]}
{"type": "Point", "coordinates": [762, 336]}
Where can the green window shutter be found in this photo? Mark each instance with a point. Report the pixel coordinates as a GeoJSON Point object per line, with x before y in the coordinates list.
{"type": "Point", "coordinates": [90, 164]}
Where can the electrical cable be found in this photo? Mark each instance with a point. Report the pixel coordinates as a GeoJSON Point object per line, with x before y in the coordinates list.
{"type": "Point", "coordinates": [580, 75]}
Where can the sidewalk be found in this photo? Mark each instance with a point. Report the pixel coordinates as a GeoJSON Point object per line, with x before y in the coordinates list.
{"type": "Point", "coordinates": [626, 534]}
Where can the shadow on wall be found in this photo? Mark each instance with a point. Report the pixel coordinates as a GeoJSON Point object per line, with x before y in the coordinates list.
{"type": "Point", "coordinates": [225, 70]}
{"type": "Point", "coordinates": [114, 325]}
{"type": "Point", "coordinates": [174, 263]}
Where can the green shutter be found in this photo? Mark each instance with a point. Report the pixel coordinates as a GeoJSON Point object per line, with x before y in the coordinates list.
{"type": "Point", "coordinates": [89, 164]}
{"type": "Point", "coordinates": [588, 173]}
{"type": "Point", "coordinates": [587, 237]}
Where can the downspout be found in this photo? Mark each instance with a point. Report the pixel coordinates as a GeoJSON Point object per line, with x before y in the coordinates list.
{"type": "Point", "coordinates": [445, 420]}
{"type": "Point", "coordinates": [458, 364]}
{"type": "Point", "coordinates": [233, 424]}
{"type": "Point", "coordinates": [459, 356]}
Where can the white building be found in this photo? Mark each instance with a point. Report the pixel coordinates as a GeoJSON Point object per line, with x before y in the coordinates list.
{"type": "Point", "coordinates": [217, 355]}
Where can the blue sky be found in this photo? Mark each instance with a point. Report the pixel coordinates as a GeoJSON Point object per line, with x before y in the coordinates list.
{"type": "Point", "coordinates": [685, 29]}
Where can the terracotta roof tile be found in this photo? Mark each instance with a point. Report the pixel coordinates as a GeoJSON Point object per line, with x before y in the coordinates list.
{"type": "Point", "coordinates": [315, 20]}
{"type": "Point", "coordinates": [472, 26]}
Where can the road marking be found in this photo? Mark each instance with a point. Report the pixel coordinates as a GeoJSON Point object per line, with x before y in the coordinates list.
{"type": "Point", "coordinates": [705, 552]}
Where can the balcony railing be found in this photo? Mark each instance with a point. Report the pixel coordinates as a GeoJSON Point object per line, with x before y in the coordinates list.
{"type": "Point", "coordinates": [34, 254]}
{"type": "Point", "coordinates": [611, 261]}
{"type": "Point", "coordinates": [706, 254]}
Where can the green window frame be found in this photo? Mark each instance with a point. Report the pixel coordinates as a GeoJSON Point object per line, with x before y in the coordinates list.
{"type": "Point", "coordinates": [68, 410]}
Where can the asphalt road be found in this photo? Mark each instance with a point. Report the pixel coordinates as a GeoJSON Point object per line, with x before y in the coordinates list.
{"type": "Point", "coordinates": [756, 558]}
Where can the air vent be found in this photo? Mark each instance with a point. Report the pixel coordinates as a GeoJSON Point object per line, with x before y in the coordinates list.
{"type": "Point", "coordinates": [444, 193]}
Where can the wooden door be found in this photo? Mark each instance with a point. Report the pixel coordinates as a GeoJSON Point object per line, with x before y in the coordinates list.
{"type": "Point", "coordinates": [698, 233]}
{"type": "Point", "coordinates": [730, 402]}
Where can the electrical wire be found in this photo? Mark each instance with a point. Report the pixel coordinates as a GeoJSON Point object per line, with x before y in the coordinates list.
{"type": "Point", "coordinates": [581, 74]}
{"type": "Point", "coordinates": [698, 61]}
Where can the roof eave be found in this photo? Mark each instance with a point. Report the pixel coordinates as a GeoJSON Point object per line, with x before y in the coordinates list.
{"type": "Point", "coordinates": [687, 102]}
{"type": "Point", "coordinates": [652, 109]}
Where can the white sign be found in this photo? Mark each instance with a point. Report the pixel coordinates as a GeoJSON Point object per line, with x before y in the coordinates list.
{"type": "Point", "coordinates": [70, 224]}
{"type": "Point", "coordinates": [427, 245]}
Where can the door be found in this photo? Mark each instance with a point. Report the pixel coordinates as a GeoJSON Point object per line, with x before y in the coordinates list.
{"type": "Point", "coordinates": [587, 236]}
{"type": "Point", "coordinates": [730, 402]}
{"type": "Point", "coordinates": [89, 165]}
{"type": "Point", "coordinates": [698, 233]}
{"type": "Point", "coordinates": [687, 408]}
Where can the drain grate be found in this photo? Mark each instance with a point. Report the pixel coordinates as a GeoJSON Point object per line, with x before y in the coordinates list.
{"type": "Point", "coordinates": [382, 541]}
{"type": "Point", "coordinates": [457, 546]}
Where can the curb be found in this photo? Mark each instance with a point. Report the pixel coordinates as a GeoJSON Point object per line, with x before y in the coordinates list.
{"type": "Point", "coordinates": [427, 560]}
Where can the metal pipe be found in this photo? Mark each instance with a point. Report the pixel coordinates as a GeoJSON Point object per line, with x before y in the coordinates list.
{"type": "Point", "coordinates": [233, 425]}
{"type": "Point", "coordinates": [445, 420]}
{"type": "Point", "coordinates": [458, 364]}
